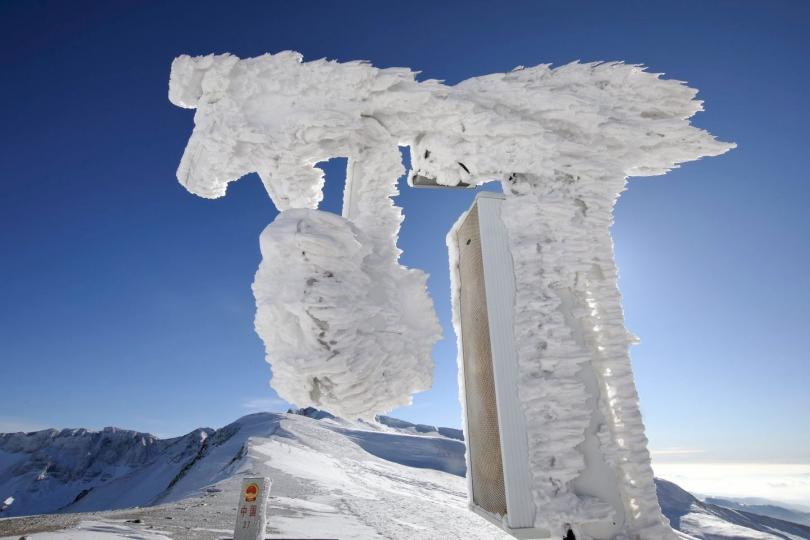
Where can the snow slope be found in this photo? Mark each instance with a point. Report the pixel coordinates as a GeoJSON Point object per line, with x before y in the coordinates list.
{"type": "Point", "coordinates": [763, 509]}
{"type": "Point", "coordinates": [332, 478]}
{"type": "Point", "coordinates": [77, 469]}
{"type": "Point", "coordinates": [339, 475]}
{"type": "Point", "coordinates": [711, 522]}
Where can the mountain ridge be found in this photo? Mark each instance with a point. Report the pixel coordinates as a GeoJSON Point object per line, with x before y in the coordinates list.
{"type": "Point", "coordinates": [409, 474]}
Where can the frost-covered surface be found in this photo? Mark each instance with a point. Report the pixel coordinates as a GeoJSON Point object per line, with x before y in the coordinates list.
{"type": "Point", "coordinates": [569, 325]}
{"type": "Point", "coordinates": [98, 530]}
{"type": "Point", "coordinates": [357, 337]}
{"type": "Point", "coordinates": [562, 141]}
{"type": "Point", "coordinates": [344, 327]}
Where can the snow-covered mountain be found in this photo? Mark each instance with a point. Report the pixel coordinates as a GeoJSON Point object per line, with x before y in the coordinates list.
{"type": "Point", "coordinates": [76, 469]}
{"type": "Point", "coordinates": [762, 508]}
{"type": "Point", "coordinates": [332, 478]}
{"type": "Point", "coordinates": [709, 521]}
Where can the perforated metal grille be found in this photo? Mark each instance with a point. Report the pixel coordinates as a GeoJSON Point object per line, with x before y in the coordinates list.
{"type": "Point", "coordinates": [483, 438]}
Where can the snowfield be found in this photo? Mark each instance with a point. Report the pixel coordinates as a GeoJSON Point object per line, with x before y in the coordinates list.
{"type": "Point", "coordinates": [325, 485]}
{"type": "Point", "coordinates": [332, 478]}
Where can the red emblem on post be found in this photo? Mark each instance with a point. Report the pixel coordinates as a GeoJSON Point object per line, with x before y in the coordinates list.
{"type": "Point", "coordinates": [251, 492]}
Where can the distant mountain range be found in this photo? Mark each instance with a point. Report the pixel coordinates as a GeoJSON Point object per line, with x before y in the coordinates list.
{"type": "Point", "coordinates": [770, 510]}
{"type": "Point", "coordinates": [713, 522]}
{"type": "Point", "coordinates": [390, 478]}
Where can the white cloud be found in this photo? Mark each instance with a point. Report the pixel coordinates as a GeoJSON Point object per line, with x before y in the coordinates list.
{"type": "Point", "coordinates": [676, 451]}
{"type": "Point", "coordinates": [265, 405]}
{"type": "Point", "coordinates": [782, 482]}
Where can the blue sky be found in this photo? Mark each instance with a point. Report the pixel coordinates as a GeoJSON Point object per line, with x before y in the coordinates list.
{"type": "Point", "coordinates": [125, 300]}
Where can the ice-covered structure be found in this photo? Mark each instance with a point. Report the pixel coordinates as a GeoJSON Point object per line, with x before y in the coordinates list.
{"type": "Point", "coordinates": [342, 328]}
{"type": "Point", "coordinates": [562, 141]}
{"type": "Point", "coordinates": [346, 327]}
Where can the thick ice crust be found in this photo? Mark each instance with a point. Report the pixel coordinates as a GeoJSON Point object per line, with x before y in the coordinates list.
{"type": "Point", "coordinates": [345, 330]}
{"type": "Point", "coordinates": [277, 116]}
{"type": "Point", "coordinates": [562, 141]}
{"type": "Point", "coordinates": [568, 326]}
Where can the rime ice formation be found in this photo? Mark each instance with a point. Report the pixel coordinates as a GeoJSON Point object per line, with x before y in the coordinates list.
{"type": "Point", "coordinates": [562, 141]}
{"type": "Point", "coordinates": [357, 339]}
{"type": "Point", "coordinates": [342, 330]}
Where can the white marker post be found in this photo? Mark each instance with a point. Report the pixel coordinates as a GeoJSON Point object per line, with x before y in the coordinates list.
{"type": "Point", "coordinates": [251, 513]}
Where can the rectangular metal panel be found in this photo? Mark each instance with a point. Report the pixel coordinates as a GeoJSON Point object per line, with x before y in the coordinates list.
{"type": "Point", "coordinates": [419, 181]}
{"type": "Point", "coordinates": [500, 480]}
{"type": "Point", "coordinates": [483, 434]}
{"type": "Point", "coordinates": [500, 298]}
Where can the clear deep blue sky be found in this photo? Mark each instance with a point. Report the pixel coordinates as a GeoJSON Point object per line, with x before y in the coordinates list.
{"type": "Point", "coordinates": [125, 300]}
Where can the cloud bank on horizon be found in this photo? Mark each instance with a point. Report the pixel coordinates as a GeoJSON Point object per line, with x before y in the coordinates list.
{"type": "Point", "coordinates": [784, 483]}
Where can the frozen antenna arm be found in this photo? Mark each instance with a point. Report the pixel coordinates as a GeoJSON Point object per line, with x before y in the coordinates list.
{"type": "Point", "coordinates": [348, 328]}
{"type": "Point", "coordinates": [342, 331]}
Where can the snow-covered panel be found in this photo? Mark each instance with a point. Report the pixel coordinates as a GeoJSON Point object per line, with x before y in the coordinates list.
{"type": "Point", "coordinates": [483, 282]}
{"type": "Point", "coordinates": [595, 499]}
